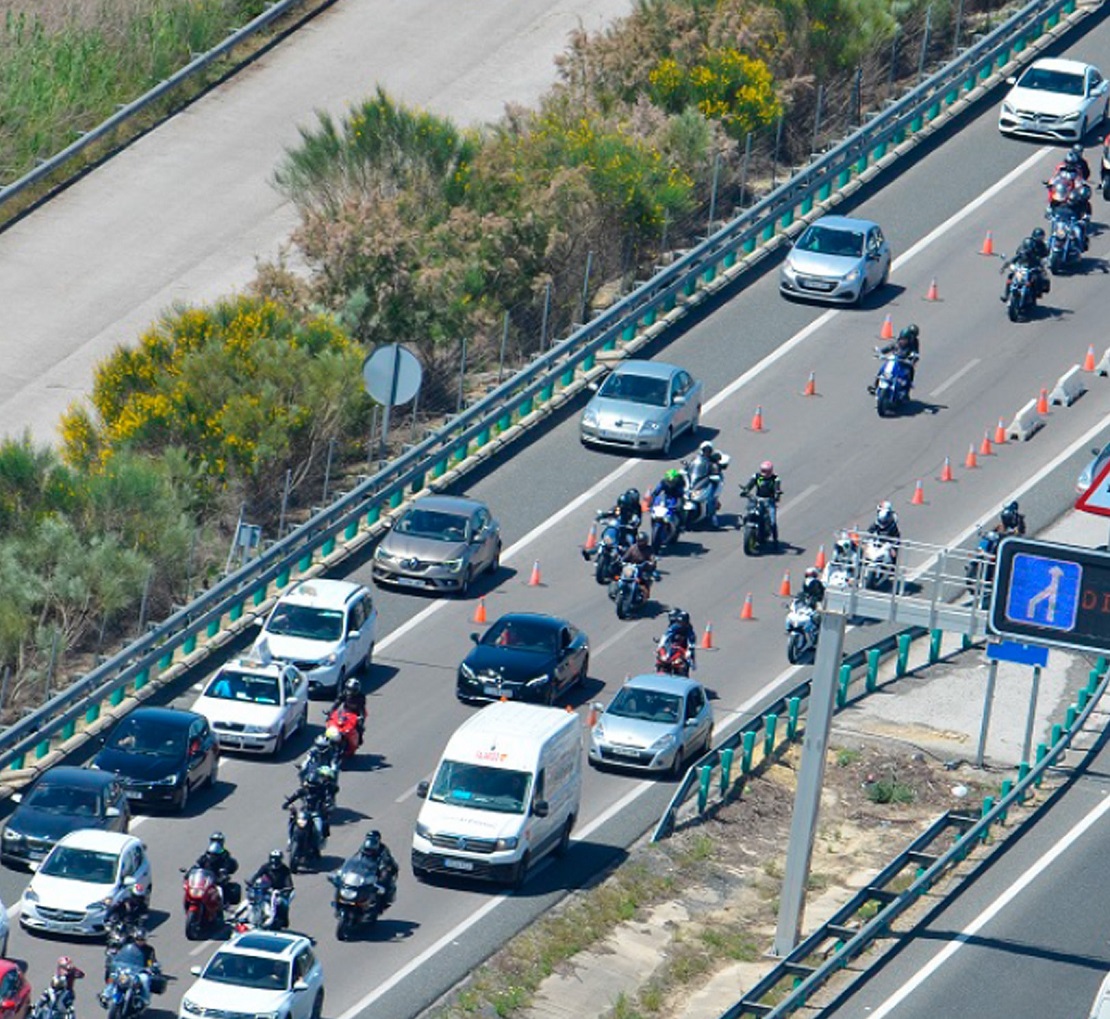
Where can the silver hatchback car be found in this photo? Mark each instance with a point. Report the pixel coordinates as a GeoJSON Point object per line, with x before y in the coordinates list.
{"type": "Point", "coordinates": [837, 259]}
{"type": "Point", "coordinates": [643, 406]}
{"type": "Point", "coordinates": [440, 543]}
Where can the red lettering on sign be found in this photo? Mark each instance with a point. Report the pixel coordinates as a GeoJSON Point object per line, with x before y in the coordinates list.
{"type": "Point", "coordinates": [1088, 600]}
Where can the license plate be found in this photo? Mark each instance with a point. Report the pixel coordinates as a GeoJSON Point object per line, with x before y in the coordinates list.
{"type": "Point", "coordinates": [495, 691]}
{"type": "Point", "coordinates": [133, 794]}
{"type": "Point", "coordinates": [617, 435]}
{"type": "Point", "coordinates": [625, 752]}
{"type": "Point", "coordinates": [452, 864]}
{"type": "Point", "coordinates": [409, 582]}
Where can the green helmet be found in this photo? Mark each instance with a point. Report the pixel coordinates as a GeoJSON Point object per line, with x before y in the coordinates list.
{"type": "Point", "coordinates": [672, 475]}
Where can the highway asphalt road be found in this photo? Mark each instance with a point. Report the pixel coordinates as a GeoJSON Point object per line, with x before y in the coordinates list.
{"type": "Point", "coordinates": [184, 212]}
{"type": "Point", "coordinates": [837, 460]}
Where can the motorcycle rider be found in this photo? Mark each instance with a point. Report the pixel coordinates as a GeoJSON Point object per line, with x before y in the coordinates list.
{"type": "Point", "coordinates": [217, 859]}
{"type": "Point", "coordinates": [628, 513]}
{"type": "Point", "coordinates": [681, 631]}
{"type": "Point", "coordinates": [813, 591]}
{"type": "Point", "coordinates": [704, 471]}
{"type": "Point", "coordinates": [66, 975]}
{"type": "Point", "coordinates": [1011, 520]}
{"type": "Point", "coordinates": [375, 854]}
{"type": "Point", "coordinates": [1079, 204]}
{"type": "Point", "coordinates": [766, 485]}
{"type": "Point", "coordinates": [642, 557]}
{"type": "Point", "coordinates": [129, 908]}
{"type": "Point", "coordinates": [280, 879]}
{"type": "Point", "coordinates": [885, 526]}
{"type": "Point", "coordinates": [137, 954]}
{"type": "Point", "coordinates": [1075, 163]}
{"type": "Point", "coordinates": [907, 348]}
{"type": "Point", "coordinates": [321, 755]}
{"type": "Point", "coordinates": [1031, 252]}
{"type": "Point", "coordinates": [314, 792]}
{"type": "Point", "coordinates": [352, 699]}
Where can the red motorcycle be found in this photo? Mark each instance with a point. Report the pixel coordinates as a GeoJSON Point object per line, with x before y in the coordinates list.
{"type": "Point", "coordinates": [204, 902]}
{"type": "Point", "coordinates": [673, 657]}
{"type": "Point", "coordinates": [341, 730]}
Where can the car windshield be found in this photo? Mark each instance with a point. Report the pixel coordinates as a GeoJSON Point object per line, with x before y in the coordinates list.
{"type": "Point", "coordinates": [477, 785]}
{"type": "Point", "coordinates": [635, 389]}
{"type": "Point", "coordinates": [306, 622]}
{"type": "Point", "coordinates": [1043, 80]}
{"type": "Point", "coordinates": [230, 685]}
{"type": "Point", "coordinates": [646, 705]}
{"type": "Point", "coordinates": [81, 865]}
{"type": "Point", "coordinates": [434, 524]}
{"type": "Point", "coordinates": [54, 798]}
{"type": "Point", "coordinates": [520, 636]}
{"type": "Point", "coordinates": [248, 971]}
{"type": "Point", "coordinates": [824, 240]}
{"type": "Point", "coordinates": [148, 738]}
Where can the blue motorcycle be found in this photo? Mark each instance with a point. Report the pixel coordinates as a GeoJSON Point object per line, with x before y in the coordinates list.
{"type": "Point", "coordinates": [892, 387]}
{"type": "Point", "coordinates": [666, 520]}
{"type": "Point", "coordinates": [1065, 243]}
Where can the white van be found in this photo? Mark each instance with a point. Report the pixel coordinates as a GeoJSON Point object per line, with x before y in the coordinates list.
{"type": "Point", "coordinates": [505, 793]}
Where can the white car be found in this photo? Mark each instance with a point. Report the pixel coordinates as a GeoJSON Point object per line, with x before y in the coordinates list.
{"type": "Point", "coordinates": [1060, 99]}
{"type": "Point", "coordinates": [264, 974]}
{"type": "Point", "coordinates": [81, 876]}
{"type": "Point", "coordinates": [324, 627]}
{"type": "Point", "coordinates": [255, 705]}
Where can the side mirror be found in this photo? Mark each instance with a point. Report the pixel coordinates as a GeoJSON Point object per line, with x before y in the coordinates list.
{"type": "Point", "coordinates": [1012, 80]}
{"type": "Point", "coordinates": [598, 707]}
{"type": "Point", "coordinates": [33, 865]}
{"type": "Point", "coordinates": [112, 812]}
{"type": "Point", "coordinates": [259, 622]}
{"type": "Point", "coordinates": [679, 400]}
{"type": "Point", "coordinates": [354, 635]}
{"type": "Point", "coordinates": [17, 797]}
{"type": "Point", "coordinates": [333, 879]}
{"type": "Point", "coordinates": [387, 523]}
{"type": "Point", "coordinates": [195, 970]}
{"type": "Point", "coordinates": [474, 637]}
{"type": "Point", "coordinates": [129, 881]}
{"type": "Point", "coordinates": [422, 789]}
{"type": "Point", "coordinates": [300, 985]}
{"type": "Point", "coordinates": [539, 808]}
{"type": "Point", "coordinates": [593, 387]}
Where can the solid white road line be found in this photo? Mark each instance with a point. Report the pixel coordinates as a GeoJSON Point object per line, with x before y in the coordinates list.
{"type": "Point", "coordinates": [952, 379]}
{"type": "Point", "coordinates": [996, 907]}
{"type": "Point", "coordinates": [801, 496]}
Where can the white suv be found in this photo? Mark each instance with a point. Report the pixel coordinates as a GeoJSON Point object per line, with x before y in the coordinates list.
{"type": "Point", "coordinates": [258, 975]}
{"type": "Point", "coordinates": [325, 628]}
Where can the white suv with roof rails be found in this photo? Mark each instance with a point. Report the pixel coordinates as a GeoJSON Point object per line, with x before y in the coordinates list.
{"type": "Point", "coordinates": [325, 628]}
{"type": "Point", "coordinates": [258, 975]}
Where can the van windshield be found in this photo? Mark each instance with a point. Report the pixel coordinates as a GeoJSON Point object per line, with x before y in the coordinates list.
{"type": "Point", "coordinates": [475, 785]}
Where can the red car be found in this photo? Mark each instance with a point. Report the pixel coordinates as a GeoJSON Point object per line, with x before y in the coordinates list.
{"type": "Point", "coordinates": [15, 991]}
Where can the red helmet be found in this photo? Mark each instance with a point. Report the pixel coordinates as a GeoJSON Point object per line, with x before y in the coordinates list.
{"type": "Point", "coordinates": [766, 468]}
{"type": "Point", "coordinates": [65, 963]}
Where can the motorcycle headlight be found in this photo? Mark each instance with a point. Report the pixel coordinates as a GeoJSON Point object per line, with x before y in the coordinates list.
{"type": "Point", "coordinates": [454, 565]}
{"type": "Point", "coordinates": [190, 1006]}
{"type": "Point", "coordinates": [664, 742]}
{"type": "Point", "coordinates": [508, 843]}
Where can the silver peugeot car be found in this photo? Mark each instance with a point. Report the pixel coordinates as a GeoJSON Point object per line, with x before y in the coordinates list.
{"type": "Point", "coordinates": [440, 543]}
{"type": "Point", "coordinates": [656, 723]}
{"type": "Point", "coordinates": [837, 259]}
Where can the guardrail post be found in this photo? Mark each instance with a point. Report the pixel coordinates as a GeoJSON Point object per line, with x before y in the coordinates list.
{"type": "Point", "coordinates": [566, 378]}
{"type": "Point", "coordinates": [726, 770]}
{"type": "Point", "coordinates": [988, 805]}
{"type": "Point", "coordinates": [768, 233]}
{"type": "Point", "coordinates": [1042, 752]}
{"type": "Point", "coordinates": [903, 654]}
{"type": "Point", "coordinates": [282, 579]}
{"type": "Point", "coordinates": [1023, 771]}
{"type": "Point", "coordinates": [843, 680]}
{"type": "Point", "coordinates": [350, 531]}
{"type": "Point", "coordinates": [705, 774]}
{"type": "Point", "coordinates": [1007, 788]}
{"type": "Point", "coordinates": [212, 628]}
{"type": "Point", "coordinates": [730, 258]}
{"type": "Point", "coordinates": [1071, 716]}
{"type": "Point", "coordinates": [934, 646]}
{"type": "Point", "coordinates": [18, 762]}
{"type": "Point", "coordinates": [235, 613]}
{"type": "Point", "coordinates": [69, 729]}
{"type": "Point", "coordinates": [770, 722]}
{"type": "Point", "coordinates": [966, 641]}
{"type": "Point", "coordinates": [793, 706]}
{"type": "Point", "coordinates": [1094, 677]}
{"type": "Point", "coordinates": [749, 748]}
{"type": "Point", "coordinates": [142, 679]}
{"type": "Point", "coordinates": [748, 246]}
{"type": "Point", "coordinates": [115, 698]}
{"type": "Point", "coordinates": [189, 645]}
{"type": "Point", "coordinates": [807, 205]}
{"type": "Point", "coordinates": [92, 713]}
{"type": "Point", "coordinates": [787, 218]}
{"type": "Point", "coordinates": [42, 749]}
{"type": "Point", "coordinates": [649, 317]}
{"type": "Point", "coordinates": [1057, 733]}
{"type": "Point", "coordinates": [258, 598]}
{"type": "Point", "coordinates": [588, 363]}
{"type": "Point", "coordinates": [873, 657]}
{"type": "Point", "coordinates": [1082, 697]}
{"type": "Point", "coordinates": [544, 396]}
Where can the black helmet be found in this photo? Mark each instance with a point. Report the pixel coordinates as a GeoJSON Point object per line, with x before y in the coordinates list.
{"type": "Point", "coordinates": [680, 617]}
{"type": "Point", "coordinates": [911, 332]}
{"type": "Point", "coordinates": [352, 686]}
{"type": "Point", "coordinates": [1072, 158]}
{"type": "Point", "coordinates": [629, 499]}
{"type": "Point", "coordinates": [216, 842]}
{"type": "Point", "coordinates": [275, 856]}
{"type": "Point", "coordinates": [373, 842]}
{"type": "Point", "coordinates": [1010, 514]}
{"type": "Point", "coordinates": [139, 934]}
{"type": "Point", "coordinates": [1037, 234]}
{"type": "Point", "coordinates": [1077, 148]}
{"type": "Point", "coordinates": [642, 539]}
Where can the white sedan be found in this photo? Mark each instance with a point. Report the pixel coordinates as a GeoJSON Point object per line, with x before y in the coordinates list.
{"type": "Point", "coordinates": [1060, 99]}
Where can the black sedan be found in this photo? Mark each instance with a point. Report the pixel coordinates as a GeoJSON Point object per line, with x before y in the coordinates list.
{"type": "Point", "coordinates": [524, 656]}
{"type": "Point", "coordinates": [161, 756]}
{"type": "Point", "coordinates": [62, 800]}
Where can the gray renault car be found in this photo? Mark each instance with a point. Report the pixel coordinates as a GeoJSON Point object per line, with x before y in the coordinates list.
{"type": "Point", "coordinates": [439, 544]}
{"type": "Point", "coordinates": [837, 259]}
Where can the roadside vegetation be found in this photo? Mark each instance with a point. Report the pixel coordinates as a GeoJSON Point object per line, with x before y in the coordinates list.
{"type": "Point", "coordinates": [413, 230]}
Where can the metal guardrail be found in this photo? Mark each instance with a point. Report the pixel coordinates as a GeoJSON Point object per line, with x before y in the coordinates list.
{"type": "Point", "coordinates": [49, 166]}
{"type": "Point", "coordinates": [547, 383]}
{"type": "Point", "coordinates": [835, 943]}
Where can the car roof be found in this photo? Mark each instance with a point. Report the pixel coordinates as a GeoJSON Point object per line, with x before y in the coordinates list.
{"type": "Point", "coordinates": [175, 717]}
{"type": "Point", "coordinates": [448, 503]}
{"type": "Point", "coordinates": [254, 667]}
{"type": "Point", "coordinates": [83, 778]}
{"type": "Point", "coordinates": [845, 223]}
{"type": "Point", "coordinates": [679, 685]}
{"type": "Point", "coordinates": [532, 618]}
{"type": "Point", "coordinates": [97, 840]}
{"type": "Point", "coordinates": [1061, 64]}
{"type": "Point", "coordinates": [321, 593]}
{"type": "Point", "coordinates": [649, 369]}
{"type": "Point", "coordinates": [265, 943]}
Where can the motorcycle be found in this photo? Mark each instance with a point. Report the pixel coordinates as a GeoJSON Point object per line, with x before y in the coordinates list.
{"type": "Point", "coordinates": [696, 508]}
{"type": "Point", "coordinates": [54, 1003]}
{"type": "Point", "coordinates": [123, 994]}
{"type": "Point", "coordinates": [892, 387]}
{"type": "Point", "coordinates": [266, 908]}
{"type": "Point", "coordinates": [204, 901]}
{"type": "Point", "coordinates": [842, 567]}
{"type": "Point", "coordinates": [628, 592]}
{"type": "Point", "coordinates": [979, 572]}
{"type": "Point", "coordinates": [614, 540]}
{"type": "Point", "coordinates": [1021, 292]}
{"type": "Point", "coordinates": [673, 657]}
{"type": "Point", "coordinates": [345, 723]}
{"type": "Point", "coordinates": [1104, 169]}
{"type": "Point", "coordinates": [803, 623]}
{"type": "Point", "coordinates": [666, 521]}
{"type": "Point", "coordinates": [357, 901]}
{"type": "Point", "coordinates": [757, 524]}
{"type": "Point", "coordinates": [306, 838]}
{"type": "Point", "coordinates": [1065, 243]}
{"type": "Point", "coordinates": [876, 562]}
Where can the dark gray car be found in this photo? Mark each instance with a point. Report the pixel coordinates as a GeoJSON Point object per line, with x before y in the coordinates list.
{"type": "Point", "coordinates": [440, 543]}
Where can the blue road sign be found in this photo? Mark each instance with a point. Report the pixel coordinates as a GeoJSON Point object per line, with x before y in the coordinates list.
{"type": "Point", "coordinates": [1044, 592]}
{"type": "Point", "coordinates": [1020, 654]}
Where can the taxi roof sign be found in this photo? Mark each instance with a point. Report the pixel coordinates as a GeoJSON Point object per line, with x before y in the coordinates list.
{"type": "Point", "coordinates": [1097, 498]}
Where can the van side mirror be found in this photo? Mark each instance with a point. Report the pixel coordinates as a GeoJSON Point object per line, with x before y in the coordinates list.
{"type": "Point", "coordinates": [539, 808]}
{"type": "Point", "coordinates": [422, 789]}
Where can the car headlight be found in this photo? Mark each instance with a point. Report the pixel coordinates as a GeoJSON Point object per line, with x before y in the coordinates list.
{"type": "Point", "coordinates": [330, 659]}
{"type": "Point", "coordinates": [423, 831]}
{"type": "Point", "coordinates": [268, 1015]}
{"type": "Point", "coordinates": [852, 276]}
{"type": "Point", "coordinates": [99, 906]}
{"type": "Point", "coordinates": [467, 671]}
{"type": "Point", "coordinates": [1008, 109]}
{"type": "Point", "coordinates": [168, 780]}
{"type": "Point", "coordinates": [190, 1006]}
{"type": "Point", "coordinates": [1067, 118]}
{"type": "Point", "coordinates": [598, 731]}
{"type": "Point", "coordinates": [11, 836]}
{"type": "Point", "coordinates": [664, 742]}
{"type": "Point", "coordinates": [651, 426]}
{"type": "Point", "coordinates": [507, 843]}
{"type": "Point", "coordinates": [381, 554]}
{"type": "Point", "coordinates": [589, 418]}
{"type": "Point", "coordinates": [539, 680]}
{"type": "Point", "coordinates": [454, 565]}
{"type": "Point", "coordinates": [30, 895]}
{"type": "Point", "coordinates": [788, 270]}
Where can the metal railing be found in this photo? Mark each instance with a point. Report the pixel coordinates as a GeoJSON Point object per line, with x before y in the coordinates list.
{"type": "Point", "coordinates": [547, 383]}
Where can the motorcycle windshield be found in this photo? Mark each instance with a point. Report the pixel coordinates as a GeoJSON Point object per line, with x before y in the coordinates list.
{"type": "Point", "coordinates": [198, 881]}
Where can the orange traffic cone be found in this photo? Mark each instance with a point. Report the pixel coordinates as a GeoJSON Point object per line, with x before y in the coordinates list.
{"type": "Point", "coordinates": [932, 295]}
{"type": "Point", "coordinates": [970, 461]}
{"type": "Point", "coordinates": [985, 445]}
{"type": "Point", "coordinates": [820, 561]}
{"type": "Point", "coordinates": [946, 471]}
{"type": "Point", "coordinates": [645, 502]}
{"type": "Point", "coordinates": [480, 611]}
{"type": "Point", "coordinates": [591, 718]}
{"type": "Point", "coordinates": [1000, 433]}
{"type": "Point", "coordinates": [784, 587]}
{"type": "Point", "coordinates": [746, 610]}
{"type": "Point", "coordinates": [534, 580]}
{"type": "Point", "coordinates": [757, 420]}
{"type": "Point", "coordinates": [1042, 402]}
{"type": "Point", "coordinates": [811, 386]}
{"type": "Point", "coordinates": [1089, 360]}
{"type": "Point", "coordinates": [988, 245]}
{"type": "Point", "coordinates": [591, 539]}
{"type": "Point", "coordinates": [707, 638]}
{"type": "Point", "coordinates": [887, 331]}
{"type": "Point", "coordinates": [918, 495]}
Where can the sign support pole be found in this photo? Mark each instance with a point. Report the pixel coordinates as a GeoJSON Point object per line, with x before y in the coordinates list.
{"type": "Point", "coordinates": [1027, 743]}
{"type": "Point", "coordinates": [988, 702]}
